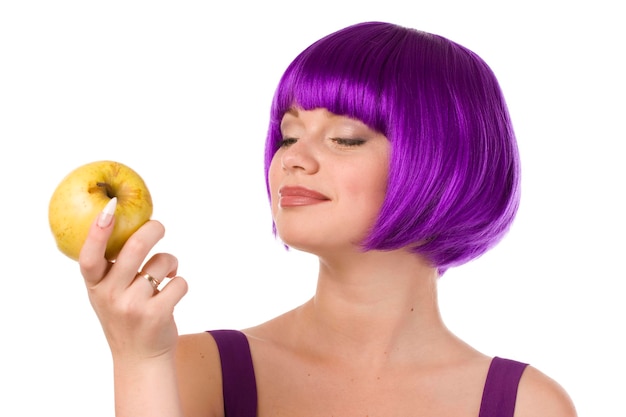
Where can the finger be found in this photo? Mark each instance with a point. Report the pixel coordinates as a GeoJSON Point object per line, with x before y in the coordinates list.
{"type": "Point", "coordinates": [154, 272]}
{"type": "Point", "coordinates": [173, 291]}
{"type": "Point", "coordinates": [93, 264]}
{"type": "Point", "coordinates": [134, 252]}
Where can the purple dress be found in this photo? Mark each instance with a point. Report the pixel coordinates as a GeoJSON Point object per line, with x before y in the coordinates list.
{"type": "Point", "coordinates": [239, 383]}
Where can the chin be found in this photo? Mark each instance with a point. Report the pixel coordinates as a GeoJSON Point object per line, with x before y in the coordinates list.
{"type": "Point", "coordinates": [319, 238]}
{"type": "Point", "coordinates": [322, 248]}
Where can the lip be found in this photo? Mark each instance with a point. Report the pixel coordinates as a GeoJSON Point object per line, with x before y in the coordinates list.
{"type": "Point", "coordinates": [299, 196]}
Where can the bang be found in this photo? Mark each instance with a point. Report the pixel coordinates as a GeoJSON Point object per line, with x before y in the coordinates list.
{"type": "Point", "coordinates": [341, 73]}
{"type": "Point", "coordinates": [344, 88]}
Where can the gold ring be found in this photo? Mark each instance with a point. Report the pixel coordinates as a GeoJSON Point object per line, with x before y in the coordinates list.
{"type": "Point", "coordinates": [152, 280]}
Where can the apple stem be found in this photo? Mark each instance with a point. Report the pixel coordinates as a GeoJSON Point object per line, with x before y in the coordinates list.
{"type": "Point", "coordinates": [107, 189]}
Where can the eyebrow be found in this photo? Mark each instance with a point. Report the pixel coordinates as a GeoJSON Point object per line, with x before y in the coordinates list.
{"type": "Point", "coordinates": [292, 111]}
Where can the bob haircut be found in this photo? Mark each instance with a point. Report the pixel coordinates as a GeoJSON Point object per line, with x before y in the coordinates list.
{"type": "Point", "coordinates": [454, 172]}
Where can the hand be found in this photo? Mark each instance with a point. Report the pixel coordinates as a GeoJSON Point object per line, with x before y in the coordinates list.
{"type": "Point", "coordinates": [137, 320]}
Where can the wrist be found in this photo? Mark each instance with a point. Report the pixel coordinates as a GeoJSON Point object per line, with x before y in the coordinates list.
{"type": "Point", "coordinates": [146, 386]}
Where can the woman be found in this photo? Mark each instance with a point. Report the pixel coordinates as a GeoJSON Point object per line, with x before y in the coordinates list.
{"type": "Point", "coordinates": [390, 155]}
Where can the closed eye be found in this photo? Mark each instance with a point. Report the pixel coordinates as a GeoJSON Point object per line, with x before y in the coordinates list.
{"type": "Point", "coordinates": [285, 142]}
{"type": "Point", "coordinates": [348, 142]}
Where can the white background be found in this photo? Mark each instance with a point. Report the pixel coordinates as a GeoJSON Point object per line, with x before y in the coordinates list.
{"type": "Point", "coordinates": [180, 91]}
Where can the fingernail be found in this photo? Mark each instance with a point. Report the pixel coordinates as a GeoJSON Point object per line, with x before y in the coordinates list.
{"type": "Point", "coordinates": [106, 216]}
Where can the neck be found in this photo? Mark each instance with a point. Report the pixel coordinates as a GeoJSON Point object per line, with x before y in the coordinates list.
{"type": "Point", "coordinates": [391, 294]}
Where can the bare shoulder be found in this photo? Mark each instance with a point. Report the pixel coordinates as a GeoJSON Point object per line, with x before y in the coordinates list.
{"type": "Point", "coordinates": [199, 375]}
{"type": "Point", "coordinates": [539, 395]}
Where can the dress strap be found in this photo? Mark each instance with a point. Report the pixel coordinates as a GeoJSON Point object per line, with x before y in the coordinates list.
{"type": "Point", "coordinates": [500, 392]}
{"type": "Point", "coordinates": [238, 379]}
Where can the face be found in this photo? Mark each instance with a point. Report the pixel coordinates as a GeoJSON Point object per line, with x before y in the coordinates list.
{"type": "Point", "coordinates": [327, 181]}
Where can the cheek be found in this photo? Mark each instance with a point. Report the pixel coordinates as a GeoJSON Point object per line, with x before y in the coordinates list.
{"type": "Point", "coordinates": [376, 191]}
{"type": "Point", "coordinates": [368, 185]}
{"type": "Point", "coordinates": [381, 178]}
{"type": "Point", "coordinates": [274, 177]}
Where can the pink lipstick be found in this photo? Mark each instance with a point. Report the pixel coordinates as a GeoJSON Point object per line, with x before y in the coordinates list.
{"type": "Point", "coordinates": [299, 196]}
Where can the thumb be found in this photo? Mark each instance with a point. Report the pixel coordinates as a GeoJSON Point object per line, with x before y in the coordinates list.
{"type": "Point", "coordinates": [93, 264]}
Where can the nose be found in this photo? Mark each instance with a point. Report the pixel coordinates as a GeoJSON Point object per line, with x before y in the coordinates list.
{"type": "Point", "coordinates": [300, 156]}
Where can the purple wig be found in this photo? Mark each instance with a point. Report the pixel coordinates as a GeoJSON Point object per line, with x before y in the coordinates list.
{"type": "Point", "coordinates": [454, 173]}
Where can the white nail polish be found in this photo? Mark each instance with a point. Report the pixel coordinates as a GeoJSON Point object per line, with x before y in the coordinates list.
{"type": "Point", "coordinates": [106, 216]}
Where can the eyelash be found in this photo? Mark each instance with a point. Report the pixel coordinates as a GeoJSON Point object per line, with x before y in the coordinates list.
{"type": "Point", "coordinates": [285, 142]}
{"type": "Point", "coordinates": [348, 142]}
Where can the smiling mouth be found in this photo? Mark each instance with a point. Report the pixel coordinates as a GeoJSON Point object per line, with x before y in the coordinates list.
{"type": "Point", "coordinates": [299, 196]}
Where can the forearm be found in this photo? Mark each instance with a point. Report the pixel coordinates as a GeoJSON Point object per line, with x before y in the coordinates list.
{"type": "Point", "coordinates": [146, 388]}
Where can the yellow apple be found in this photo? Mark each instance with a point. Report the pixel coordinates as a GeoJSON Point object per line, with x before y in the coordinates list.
{"type": "Point", "coordinates": [81, 196]}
